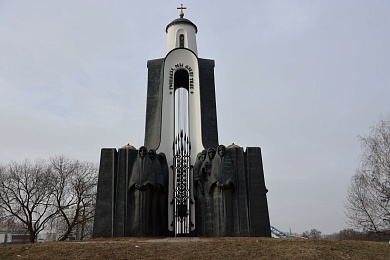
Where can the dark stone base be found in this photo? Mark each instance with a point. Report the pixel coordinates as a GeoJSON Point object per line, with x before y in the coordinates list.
{"type": "Point", "coordinates": [248, 211]}
{"type": "Point", "coordinates": [105, 199]}
{"type": "Point", "coordinates": [243, 207]}
{"type": "Point", "coordinates": [113, 207]}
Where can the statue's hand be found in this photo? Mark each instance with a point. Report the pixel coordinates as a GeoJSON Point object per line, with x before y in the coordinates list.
{"type": "Point", "coordinates": [143, 186]}
{"type": "Point", "coordinates": [223, 186]}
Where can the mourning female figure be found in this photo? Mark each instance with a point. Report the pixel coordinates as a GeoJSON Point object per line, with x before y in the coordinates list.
{"type": "Point", "coordinates": [140, 197]}
{"type": "Point", "coordinates": [207, 206]}
{"type": "Point", "coordinates": [164, 195]}
{"type": "Point", "coordinates": [156, 215]}
{"type": "Point", "coordinates": [198, 191]}
{"type": "Point", "coordinates": [222, 186]}
{"type": "Point", "coordinates": [200, 157]}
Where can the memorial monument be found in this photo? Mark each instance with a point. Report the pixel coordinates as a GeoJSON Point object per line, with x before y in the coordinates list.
{"type": "Point", "coordinates": [182, 182]}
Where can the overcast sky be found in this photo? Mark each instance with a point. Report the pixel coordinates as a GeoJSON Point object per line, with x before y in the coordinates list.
{"type": "Point", "coordinates": [302, 79]}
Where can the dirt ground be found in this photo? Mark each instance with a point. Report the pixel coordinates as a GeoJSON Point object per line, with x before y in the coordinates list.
{"type": "Point", "coordinates": [198, 248]}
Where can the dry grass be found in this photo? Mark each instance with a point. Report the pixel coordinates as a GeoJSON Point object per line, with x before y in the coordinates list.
{"type": "Point", "coordinates": [204, 248]}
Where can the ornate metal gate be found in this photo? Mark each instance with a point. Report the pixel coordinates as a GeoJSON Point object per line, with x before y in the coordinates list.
{"type": "Point", "coordinates": [182, 147]}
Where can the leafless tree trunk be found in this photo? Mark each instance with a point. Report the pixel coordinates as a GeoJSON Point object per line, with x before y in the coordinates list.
{"type": "Point", "coordinates": [368, 199]}
{"type": "Point", "coordinates": [75, 192]}
{"type": "Point", "coordinates": [61, 191]}
{"type": "Point", "coordinates": [26, 193]}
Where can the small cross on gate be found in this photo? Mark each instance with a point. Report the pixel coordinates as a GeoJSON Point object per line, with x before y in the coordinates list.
{"type": "Point", "coordinates": [181, 10]}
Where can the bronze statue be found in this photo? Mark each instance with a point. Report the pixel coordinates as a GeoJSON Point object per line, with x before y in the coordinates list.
{"type": "Point", "coordinates": [199, 191]}
{"type": "Point", "coordinates": [206, 200]}
{"type": "Point", "coordinates": [163, 215]}
{"type": "Point", "coordinates": [222, 174]}
{"type": "Point", "coordinates": [222, 186]}
{"type": "Point", "coordinates": [141, 187]}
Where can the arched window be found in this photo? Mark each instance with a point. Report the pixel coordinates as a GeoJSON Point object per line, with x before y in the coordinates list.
{"type": "Point", "coordinates": [181, 39]}
{"type": "Point", "coordinates": [181, 79]}
{"type": "Point", "coordinates": [181, 86]}
{"type": "Point", "coordinates": [181, 146]}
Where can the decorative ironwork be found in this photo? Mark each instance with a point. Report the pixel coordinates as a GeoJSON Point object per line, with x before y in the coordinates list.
{"type": "Point", "coordinates": [182, 147]}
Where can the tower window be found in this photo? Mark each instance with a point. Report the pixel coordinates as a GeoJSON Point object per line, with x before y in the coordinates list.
{"type": "Point", "coordinates": [181, 79]}
{"type": "Point", "coordinates": [181, 38]}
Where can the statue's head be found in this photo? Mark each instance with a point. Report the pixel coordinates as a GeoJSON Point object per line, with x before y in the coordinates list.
{"type": "Point", "coordinates": [142, 151]}
{"type": "Point", "coordinates": [161, 158]}
{"type": "Point", "coordinates": [152, 154]}
{"type": "Point", "coordinates": [221, 150]}
{"type": "Point", "coordinates": [211, 153]}
{"type": "Point", "coordinates": [203, 155]}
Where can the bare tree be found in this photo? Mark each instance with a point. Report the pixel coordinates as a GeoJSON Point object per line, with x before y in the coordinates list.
{"type": "Point", "coordinates": [75, 193]}
{"type": "Point", "coordinates": [312, 234]}
{"type": "Point", "coordinates": [361, 209]}
{"type": "Point", "coordinates": [350, 234]}
{"type": "Point", "coordinates": [26, 193]}
{"type": "Point", "coordinates": [368, 198]}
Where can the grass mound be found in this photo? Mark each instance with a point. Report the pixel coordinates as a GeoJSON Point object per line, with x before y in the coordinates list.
{"type": "Point", "coordinates": [203, 248]}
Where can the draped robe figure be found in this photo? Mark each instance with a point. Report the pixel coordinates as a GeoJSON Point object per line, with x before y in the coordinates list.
{"type": "Point", "coordinates": [164, 195]}
{"type": "Point", "coordinates": [157, 192]}
{"type": "Point", "coordinates": [140, 197]}
{"type": "Point", "coordinates": [206, 204]}
{"type": "Point", "coordinates": [199, 191]}
{"type": "Point", "coordinates": [222, 185]}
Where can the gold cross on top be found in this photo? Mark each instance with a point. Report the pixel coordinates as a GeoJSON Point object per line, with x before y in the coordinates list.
{"type": "Point", "coordinates": [181, 10]}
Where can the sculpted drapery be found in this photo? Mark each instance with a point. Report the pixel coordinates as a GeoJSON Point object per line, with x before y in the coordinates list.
{"type": "Point", "coordinates": [146, 194]}
{"type": "Point", "coordinates": [214, 181]}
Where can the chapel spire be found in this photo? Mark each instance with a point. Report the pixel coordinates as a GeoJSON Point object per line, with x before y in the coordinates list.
{"type": "Point", "coordinates": [181, 14]}
{"type": "Point", "coordinates": [181, 33]}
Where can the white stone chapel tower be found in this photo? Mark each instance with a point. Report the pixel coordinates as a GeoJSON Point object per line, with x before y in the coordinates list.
{"type": "Point", "coordinates": [182, 182]}
{"type": "Point", "coordinates": [181, 102]}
